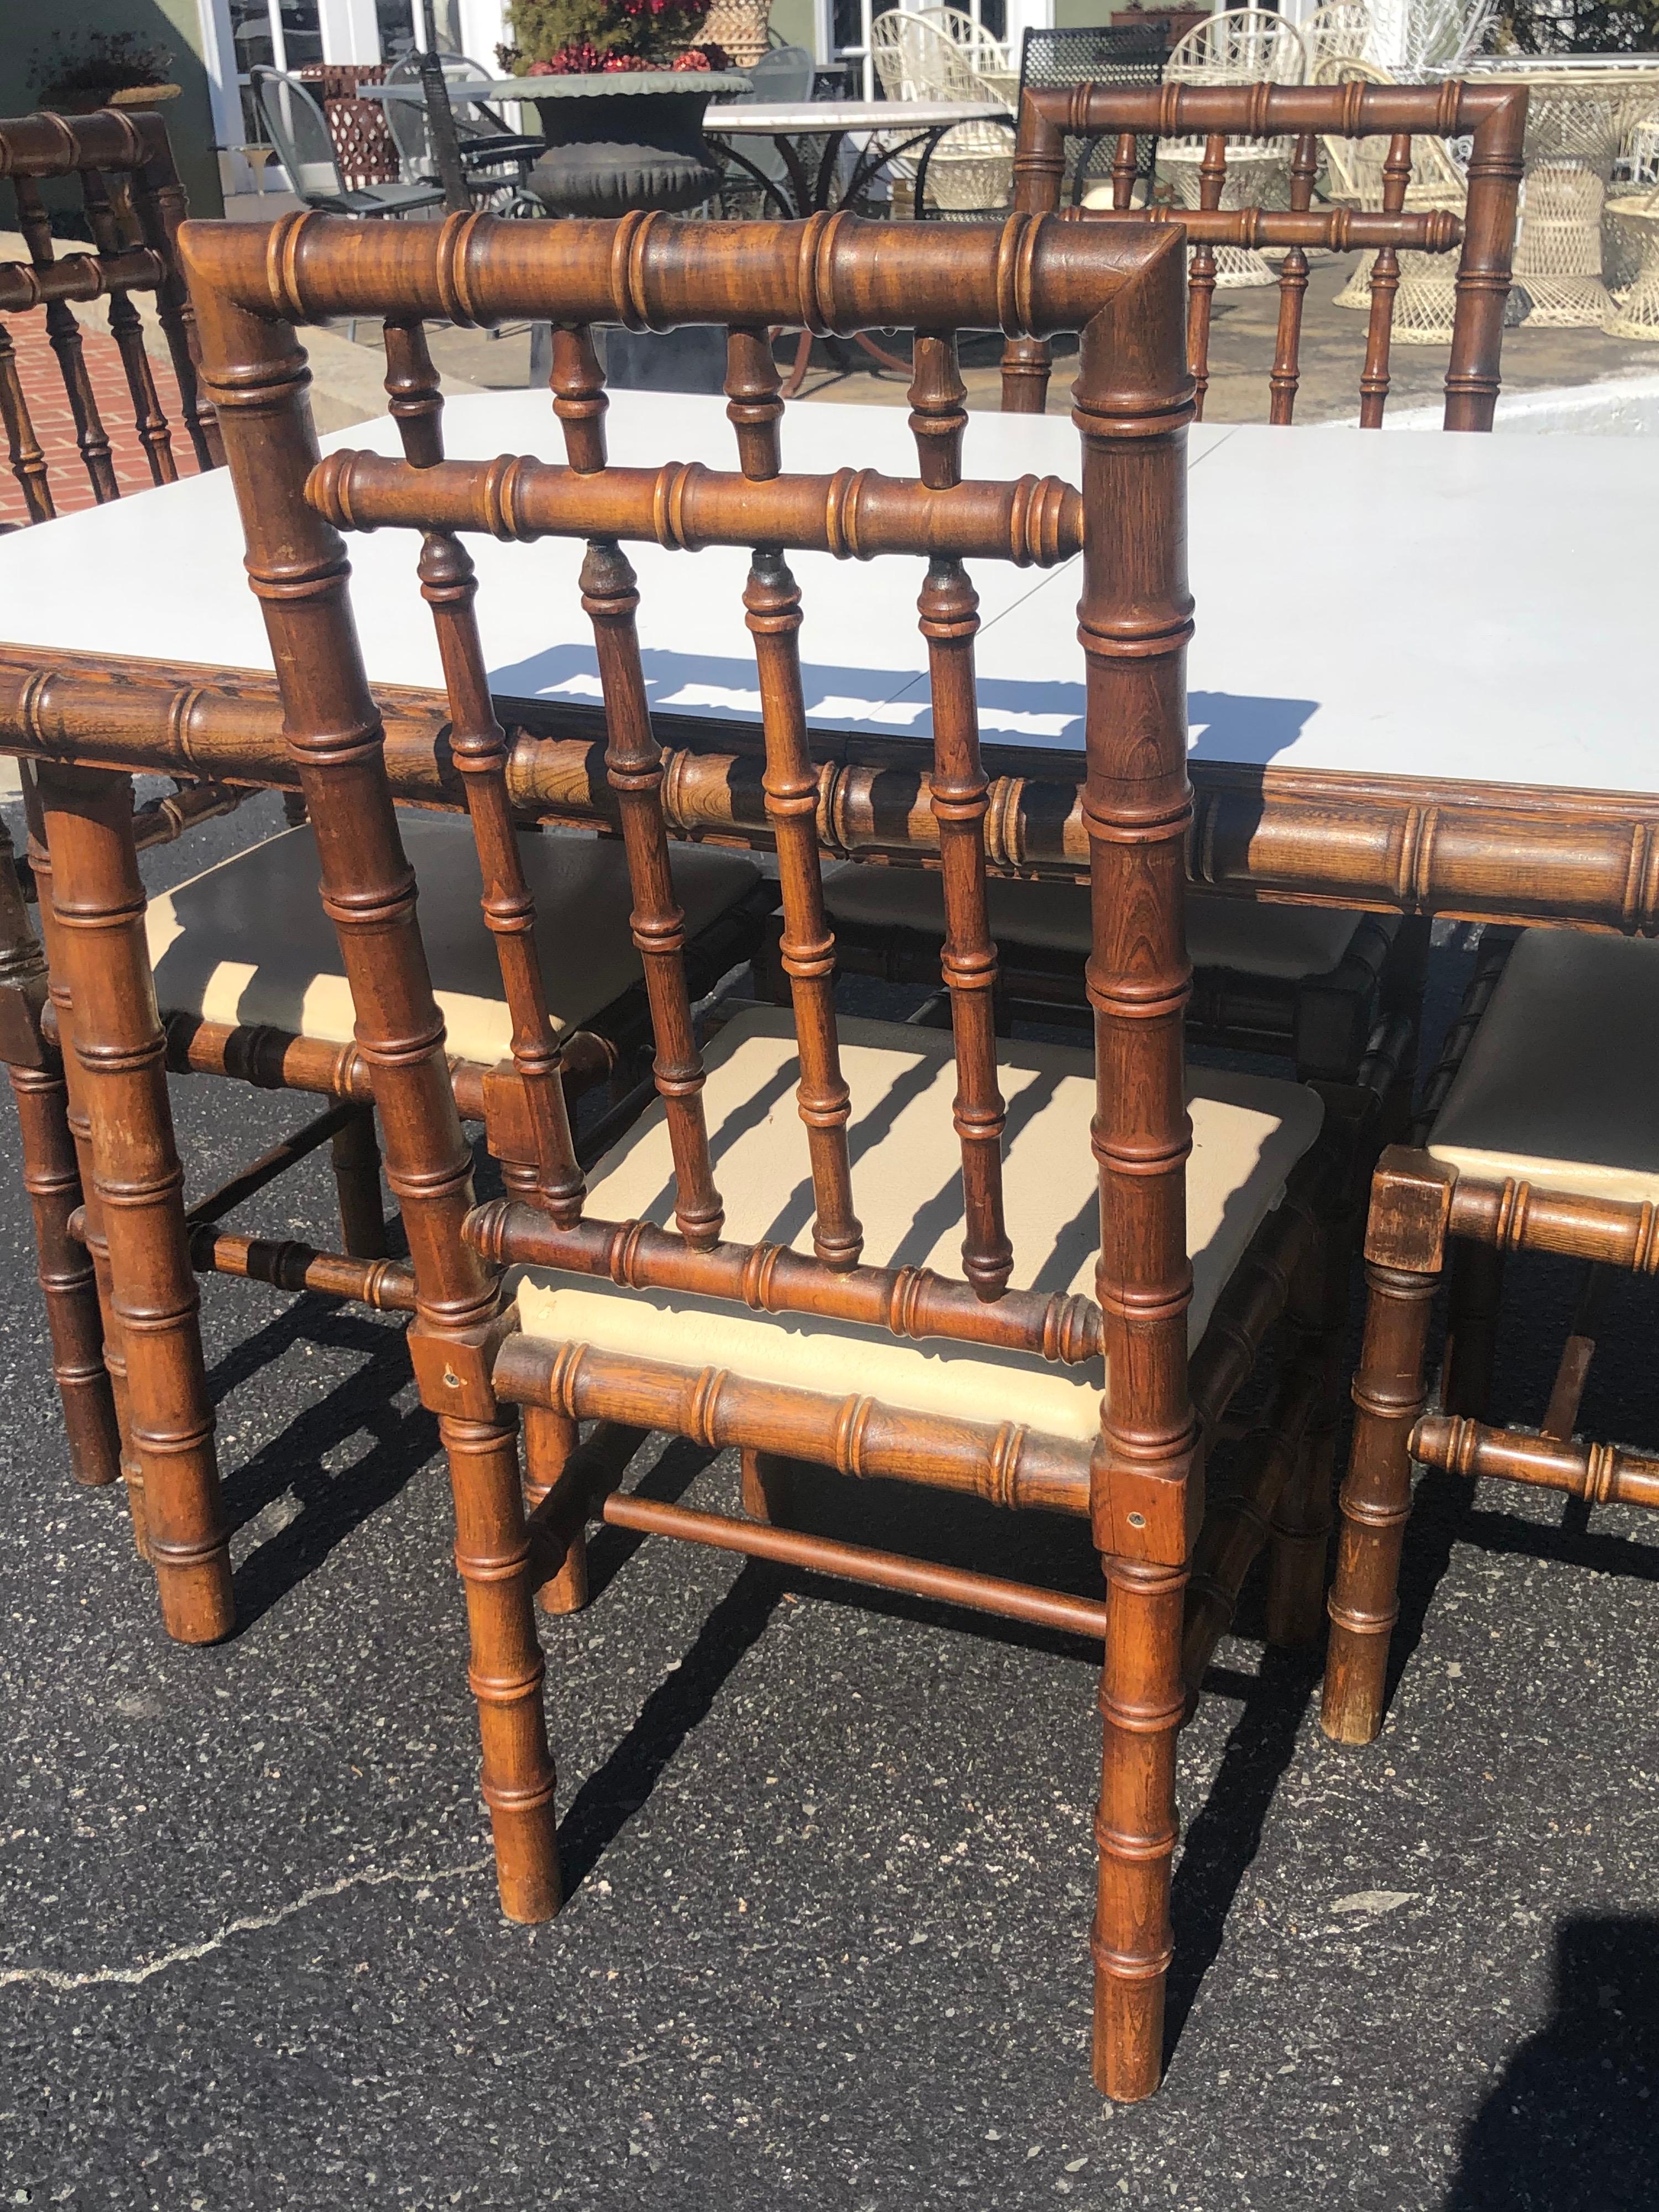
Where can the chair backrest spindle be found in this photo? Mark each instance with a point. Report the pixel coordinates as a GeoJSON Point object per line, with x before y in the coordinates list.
{"type": "Point", "coordinates": [126, 328]}
{"type": "Point", "coordinates": [577, 384]}
{"type": "Point", "coordinates": [754, 400]}
{"type": "Point", "coordinates": [1286, 375]}
{"type": "Point", "coordinates": [1374, 378]}
{"type": "Point", "coordinates": [949, 610]}
{"type": "Point", "coordinates": [1201, 276]}
{"type": "Point", "coordinates": [632, 762]}
{"type": "Point", "coordinates": [64, 332]}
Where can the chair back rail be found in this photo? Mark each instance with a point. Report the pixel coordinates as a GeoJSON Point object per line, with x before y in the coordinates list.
{"type": "Point", "coordinates": [133, 204]}
{"type": "Point", "coordinates": [647, 271]}
{"type": "Point", "coordinates": [1492, 115]}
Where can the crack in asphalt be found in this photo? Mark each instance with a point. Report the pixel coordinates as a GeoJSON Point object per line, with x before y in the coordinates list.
{"type": "Point", "coordinates": [52, 1977]}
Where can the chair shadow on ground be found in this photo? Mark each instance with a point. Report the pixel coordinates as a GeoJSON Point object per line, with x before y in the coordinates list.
{"type": "Point", "coordinates": [1222, 1835]}
{"type": "Point", "coordinates": [1572, 2123]}
{"type": "Point", "coordinates": [330, 1504]}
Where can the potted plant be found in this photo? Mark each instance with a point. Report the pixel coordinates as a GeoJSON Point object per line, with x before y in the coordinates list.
{"type": "Point", "coordinates": [621, 86]}
{"type": "Point", "coordinates": [81, 71]}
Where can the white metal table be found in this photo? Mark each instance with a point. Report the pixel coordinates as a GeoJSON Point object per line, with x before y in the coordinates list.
{"type": "Point", "coordinates": [888, 129]}
{"type": "Point", "coordinates": [1461, 665]}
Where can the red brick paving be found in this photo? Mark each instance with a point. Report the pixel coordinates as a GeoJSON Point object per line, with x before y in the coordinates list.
{"type": "Point", "coordinates": [54, 425]}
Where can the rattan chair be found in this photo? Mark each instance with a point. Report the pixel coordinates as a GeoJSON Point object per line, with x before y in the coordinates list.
{"type": "Point", "coordinates": [739, 1305]}
{"type": "Point", "coordinates": [1338, 30]}
{"type": "Point", "coordinates": [1539, 1139]}
{"type": "Point", "coordinates": [1636, 304]}
{"type": "Point", "coordinates": [133, 204]}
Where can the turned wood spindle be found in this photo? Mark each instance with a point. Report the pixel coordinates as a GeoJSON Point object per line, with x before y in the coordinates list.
{"type": "Point", "coordinates": [1126, 165]}
{"type": "Point", "coordinates": [1374, 378]}
{"type": "Point", "coordinates": [949, 621]}
{"type": "Point", "coordinates": [754, 400]}
{"type": "Point", "coordinates": [64, 332]}
{"type": "Point", "coordinates": [126, 328]}
{"type": "Point", "coordinates": [1286, 374]}
{"type": "Point", "coordinates": [938, 408]}
{"type": "Point", "coordinates": [807, 948]}
{"type": "Point", "coordinates": [579, 401]}
{"type": "Point", "coordinates": [449, 586]}
{"type": "Point", "coordinates": [1201, 274]}
{"type": "Point", "coordinates": [23, 454]}
{"type": "Point", "coordinates": [633, 763]}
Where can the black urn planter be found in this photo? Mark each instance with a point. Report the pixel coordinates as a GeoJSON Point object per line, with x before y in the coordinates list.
{"type": "Point", "coordinates": [617, 142]}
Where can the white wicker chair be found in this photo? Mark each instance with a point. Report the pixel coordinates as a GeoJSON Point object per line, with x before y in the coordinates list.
{"type": "Point", "coordinates": [1244, 46]}
{"type": "Point", "coordinates": [1636, 311]}
{"type": "Point", "coordinates": [916, 59]}
{"type": "Point", "coordinates": [1411, 38]}
{"type": "Point", "coordinates": [1427, 300]}
{"type": "Point", "coordinates": [984, 54]}
{"type": "Point", "coordinates": [1338, 30]}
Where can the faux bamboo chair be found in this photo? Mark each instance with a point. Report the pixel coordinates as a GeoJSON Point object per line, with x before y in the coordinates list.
{"type": "Point", "coordinates": [1492, 115]}
{"type": "Point", "coordinates": [1311, 984]}
{"type": "Point", "coordinates": [1541, 1140]}
{"type": "Point", "coordinates": [133, 204]}
{"type": "Point", "coordinates": [716, 1310]}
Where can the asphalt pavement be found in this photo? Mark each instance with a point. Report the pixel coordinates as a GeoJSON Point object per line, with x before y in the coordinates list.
{"type": "Point", "coordinates": [830, 1860]}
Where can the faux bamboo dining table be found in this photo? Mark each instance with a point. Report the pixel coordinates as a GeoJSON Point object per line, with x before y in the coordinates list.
{"type": "Point", "coordinates": [1417, 682]}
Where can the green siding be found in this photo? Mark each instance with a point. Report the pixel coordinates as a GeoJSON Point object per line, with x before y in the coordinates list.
{"type": "Point", "coordinates": [172, 25]}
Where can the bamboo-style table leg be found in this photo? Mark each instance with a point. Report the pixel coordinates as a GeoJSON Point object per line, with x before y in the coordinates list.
{"type": "Point", "coordinates": [52, 1176]}
{"type": "Point", "coordinates": [118, 1048]}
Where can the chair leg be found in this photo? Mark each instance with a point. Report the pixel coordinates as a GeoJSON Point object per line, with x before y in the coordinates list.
{"type": "Point", "coordinates": [762, 1478]}
{"type": "Point", "coordinates": [1300, 1546]}
{"type": "Point", "coordinates": [506, 1669]}
{"type": "Point", "coordinates": [98, 914]}
{"type": "Point", "coordinates": [1376, 1501]}
{"type": "Point", "coordinates": [67, 1283]}
{"type": "Point", "coordinates": [1141, 1703]}
{"type": "Point", "coordinates": [1474, 1299]}
{"type": "Point", "coordinates": [92, 1213]}
{"type": "Point", "coordinates": [356, 1158]}
{"type": "Point", "coordinates": [52, 1176]}
{"type": "Point", "coordinates": [549, 1439]}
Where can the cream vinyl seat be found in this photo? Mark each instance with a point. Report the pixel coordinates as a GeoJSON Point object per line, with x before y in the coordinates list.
{"type": "Point", "coordinates": [1558, 1087]}
{"type": "Point", "coordinates": [1249, 1131]}
{"type": "Point", "coordinates": [248, 941]}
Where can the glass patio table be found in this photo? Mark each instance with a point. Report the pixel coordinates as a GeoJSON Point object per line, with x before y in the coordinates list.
{"type": "Point", "coordinates": [1456, 718]}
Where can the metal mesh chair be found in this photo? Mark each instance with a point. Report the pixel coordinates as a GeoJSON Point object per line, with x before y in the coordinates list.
{"type": "Point", "coordinates": [305, 147]}
{"type": "Point", "coordinates": [494, 159]}
{"type": "Point", "coordinates": [1097, 54]}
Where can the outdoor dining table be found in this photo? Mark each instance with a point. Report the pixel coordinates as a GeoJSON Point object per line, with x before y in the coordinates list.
{"type": "Point", "coordinates": [889, 129]}
{"type": "Point", "coordinates": [1404, 693]}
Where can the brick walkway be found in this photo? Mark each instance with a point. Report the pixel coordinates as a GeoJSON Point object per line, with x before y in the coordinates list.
{"type": "Point", "coordinates": [54, 425]}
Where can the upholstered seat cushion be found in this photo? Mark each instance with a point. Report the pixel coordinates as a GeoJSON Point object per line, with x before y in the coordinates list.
{"type": "Point", "coordinates": [1558, 1088]}
{"type": "Point", "coordinates": [1291, 942]}
{"type": "Point", "coordinates": [249, 940]}
{"type": "Point", "coordinates": [1248, 1133]}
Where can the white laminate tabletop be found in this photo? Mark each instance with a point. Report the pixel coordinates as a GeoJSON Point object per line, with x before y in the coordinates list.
{"type": "Point", "coordinates": [783, 118]}
{"type": "Point", "coordinates": [1444, 607]}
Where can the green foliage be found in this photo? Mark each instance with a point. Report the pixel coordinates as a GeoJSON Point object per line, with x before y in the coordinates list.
{"type": "Point", "coordinates": [597, 34]}
{"type": "Point", "coordinates": [1577, 27]}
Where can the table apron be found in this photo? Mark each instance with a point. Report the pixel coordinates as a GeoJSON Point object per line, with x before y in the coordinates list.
{"type": "Point", "coordinates": [1582, 860]}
